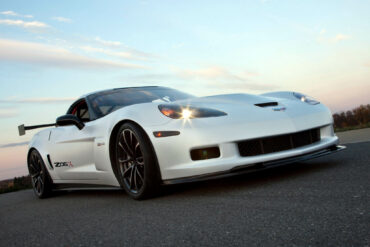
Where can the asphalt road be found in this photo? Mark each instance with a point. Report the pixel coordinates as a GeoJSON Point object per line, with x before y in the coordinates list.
{"type": "Point", "coordinates": [322, 202]}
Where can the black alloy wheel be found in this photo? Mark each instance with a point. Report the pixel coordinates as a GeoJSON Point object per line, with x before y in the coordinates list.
{"type": "Point", "coordinates": [41, 181]}
{"type": "Point", "coordinates": [136, 162]}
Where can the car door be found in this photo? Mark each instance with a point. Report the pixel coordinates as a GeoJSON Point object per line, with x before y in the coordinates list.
{"type": "Point", "coordinates": [72, 149]}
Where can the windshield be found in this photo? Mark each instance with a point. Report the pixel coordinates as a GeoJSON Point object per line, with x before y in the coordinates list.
{"type": "Point", "coordinates": [106, 102]}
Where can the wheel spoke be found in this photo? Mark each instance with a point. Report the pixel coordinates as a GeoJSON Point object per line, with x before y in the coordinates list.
{"type": "Point", "coordinates": [131, 177]}
{"type": "Point", "coordinates": [33, 163]}
{"type": "Point", "coordinates": [34, 170]}
{"type": "Point", "coordinates": [124, 149]}
{"type": "Point", "coordinates": [129, 150]}
{"type": "Point", "coordinates": [124, 173]}
{"type": "Point", "coordinates": [33, 158]}
{"type": "Point", "coordinates": [39, 164]}
{"type": "Point", "coordinates": [135, 180]}
{"type": "Point", "coordinates": [123, 161]}
{"type": "Point", "coordinates": [131, 139]}
{"type": "Point", "coordinates": [41, 184]}
{"type": "Point", "coordinates": [35, 175]}
{"type": "Point", "coordinates": [37, 185]}
{"type": "Point", "coordinates": [139, 175]}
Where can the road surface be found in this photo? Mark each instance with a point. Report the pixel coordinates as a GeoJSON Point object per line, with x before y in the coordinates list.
{"type": "Point", "coordinates": [322, 202]}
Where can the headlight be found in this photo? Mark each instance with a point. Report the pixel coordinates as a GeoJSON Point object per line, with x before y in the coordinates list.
{"type": "Point", "coordinates": [187, 112]}
{"type": "Point", "coordinates": [305, 98]}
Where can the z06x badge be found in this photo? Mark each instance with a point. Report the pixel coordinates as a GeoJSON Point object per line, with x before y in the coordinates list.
{"type": "Point", "coordinates": [63, 164]}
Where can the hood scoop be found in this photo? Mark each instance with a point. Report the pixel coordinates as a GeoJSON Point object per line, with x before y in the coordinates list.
{"type": "Point", "coordinates": [267, 104]}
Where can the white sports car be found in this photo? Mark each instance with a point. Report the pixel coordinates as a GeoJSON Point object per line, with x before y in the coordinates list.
{"type": "Point", "coordinates": [140, 138]}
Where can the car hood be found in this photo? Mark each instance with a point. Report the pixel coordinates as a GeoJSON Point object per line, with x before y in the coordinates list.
{"type": "Point", "coordinates": [229, 100]}
{"type": "Point", "coordinates": [242, 107]}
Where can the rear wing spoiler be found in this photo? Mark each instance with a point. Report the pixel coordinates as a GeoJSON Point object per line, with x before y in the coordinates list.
{"type": "Point", "coordinates": [22, 129]}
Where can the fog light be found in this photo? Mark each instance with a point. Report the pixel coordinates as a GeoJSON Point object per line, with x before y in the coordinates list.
{"type": "Point", "coordinates": [205, 153]}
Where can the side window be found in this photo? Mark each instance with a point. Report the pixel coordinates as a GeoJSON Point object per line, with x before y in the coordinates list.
{"type": "Point", "coordinates": [81, 111]}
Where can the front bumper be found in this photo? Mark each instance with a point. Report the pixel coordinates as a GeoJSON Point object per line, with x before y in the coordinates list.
{"type": "Point", "coordinates": [174, 152]}
{"type": "Point", "coordinates": [175, 161]}
{"type": "Point", "coordinates": [243, 169]}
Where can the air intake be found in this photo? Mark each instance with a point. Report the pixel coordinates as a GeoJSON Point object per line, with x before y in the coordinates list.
{"type": "Point", "coordinates": [278, 143]}
{"type": "Point", "coordinates": [267, 104]}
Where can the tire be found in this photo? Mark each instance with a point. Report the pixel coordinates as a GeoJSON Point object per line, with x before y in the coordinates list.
{"type": "Point", "coordinates": [136, 163]}
{"type": "Point", "coordinates": [41, 182]}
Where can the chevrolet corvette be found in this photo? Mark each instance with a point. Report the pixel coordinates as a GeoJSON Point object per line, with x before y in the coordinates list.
{"type": "Point", "coordinates": [141, 138]}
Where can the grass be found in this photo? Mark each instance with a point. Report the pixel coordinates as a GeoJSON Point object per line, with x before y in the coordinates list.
{"type": "Point", "coordinates": [352, 128]}
{"type": "Point", "coordinates": [18, 183]}
{"type": "Point", "coordinates": [13, 188]}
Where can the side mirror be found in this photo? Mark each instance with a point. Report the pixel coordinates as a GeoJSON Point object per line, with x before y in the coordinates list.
{"type": "Point", "coordinates": [70, 119]}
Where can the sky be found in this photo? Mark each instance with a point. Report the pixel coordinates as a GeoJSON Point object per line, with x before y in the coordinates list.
{"type": "Point", "coordinates": [52, 52]}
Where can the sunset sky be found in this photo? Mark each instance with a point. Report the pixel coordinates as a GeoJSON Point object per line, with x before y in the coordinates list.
{"type": "Point", "coordinates": [51, 52]}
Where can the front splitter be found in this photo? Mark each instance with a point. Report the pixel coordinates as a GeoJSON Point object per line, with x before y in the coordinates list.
{"type": "Point", "coordinates": [255, 167]}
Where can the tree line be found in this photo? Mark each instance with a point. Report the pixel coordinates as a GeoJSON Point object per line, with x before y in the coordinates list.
{"type": "Point", "coordinates": [18, 183]}
{"type": "Point", "coordinates": [357, 117]}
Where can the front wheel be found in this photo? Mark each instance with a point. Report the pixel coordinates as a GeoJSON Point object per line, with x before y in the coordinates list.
{"type": "Point", "coordinates": [41, 181]}
{"type": "Point", "coordinates": [136, 162]}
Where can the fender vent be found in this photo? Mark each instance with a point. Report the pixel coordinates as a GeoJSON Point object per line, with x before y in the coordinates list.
{"type": "Point", "coordinates": [50, 163]}
{"type": "Point", "coordinates": [278, 143]}
{"type": "Point", "coordinates": [267, 104]}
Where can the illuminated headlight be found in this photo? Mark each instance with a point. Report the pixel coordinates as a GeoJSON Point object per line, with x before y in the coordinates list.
{"type": "Point", "coordinates": [188, 112]}
{"type": "Point", "coordinates": [306, 99]}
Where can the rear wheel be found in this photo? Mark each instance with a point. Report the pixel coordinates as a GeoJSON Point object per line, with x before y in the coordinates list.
{"type": "Point", "coordinates": [41, 181]}
{"type": "Point", "coordinates": [136, 162]}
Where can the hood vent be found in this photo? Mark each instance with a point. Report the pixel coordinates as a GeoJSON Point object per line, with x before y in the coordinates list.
{"type": "Point", "coordinates": [267, 104]}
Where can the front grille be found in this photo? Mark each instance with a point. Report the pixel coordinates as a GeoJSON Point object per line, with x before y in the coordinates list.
{"type": "Point", "coordinates": [278, 143]}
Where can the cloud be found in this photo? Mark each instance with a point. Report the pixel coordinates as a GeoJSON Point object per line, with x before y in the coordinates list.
{"type": "Point", "coordinates": [8, 112]}
{"type": "Point", "coordinates": [108, 43]}
{"type": "Point", "coordinates": [115, 49]}
{"type": "Point", "coordinates": [207, 73]}
{"type": "Point", "coordinates": [12, 13]}
{"type": "Point", "coordinates": [120, 54]}
{"type": "Point", "coordinates": [38, 100]}
{"type": "Point", "coordinates": [340, 37]}
{"type": "Point", "coordinates": [216, 77]}
{"type": "Point", "coordinates": [24, 24]}
{"type": "Point", "coordinates": [150, 79]}
{"type": "Point", "coordinates": [223, 78]}
{"type": "Point", "coordinates": [46, 55]}
{"type": "Point", "coordinates": [62, 19]}
{"type": "Point", "coordinates": [14, 144]}
{"type": "Point", "coordinates": [323, 38]}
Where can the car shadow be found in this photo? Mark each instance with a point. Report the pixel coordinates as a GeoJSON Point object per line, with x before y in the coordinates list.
{"type": "Point", "coordinates": [247, 181]}
{"type": "Point", "coordinates": [251, 180]}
